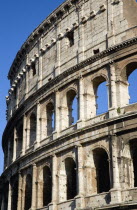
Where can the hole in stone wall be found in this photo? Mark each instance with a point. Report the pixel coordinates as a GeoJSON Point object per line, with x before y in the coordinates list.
{"type": "Point", "coordinates": [50, 119]}
{"type": "Point", "coordinates": [28, 192]}
{"type": "Point", "coordinates": [102, 170]}
{"type": "Point", "coordinates": [96, 51]}
{"type": "Point", "coordinates": [11, 149]}
{"type": "Point", "coordinates": [33, 125]}
{"type": "Point", "coordinates": [72, 103]}
{"type": "Point", "coordinates": [14, 193]}
{"type": "Point", "coordinates": [70, 36]}
{"type": "Point", "coordinates": [5, 195]}
{"type": "Point", "coordinates": [47, 186]}
{"type": "Point", "coordinates": [33, 67]}
{"type": "Point", "coordinates": [132, 87]}
{"type": "Point", "coordinates": [133, 150]}
{"type": "Point", "coordinates": [19, 133]}
{"type": "Point", "coordinates": [100, 91]}
{"type": "Point", "coordinates": [70, 167]}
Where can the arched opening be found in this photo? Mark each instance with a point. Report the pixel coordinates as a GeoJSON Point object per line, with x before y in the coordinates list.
{"type": "Point", "coordinates": [133, 150]}
{"type": "Point", "coordinates": [28, 192]}
{"type": "Point", "coordinates": [14, 193]}
{"type": "Point", "coordinates": [70, 167]}
{"type": "Point", "coordinates": [101, 164]}
{"type": "Point", "coordinates": [128, 86]}
{"type": "Point", "coordinates": [101, 97]}
{"type": "Point", "coordinates": [131, 75]}
{"type": "Point", "coordinates": [5, 195]}
{"type": "Point", "coordinates": [6, 155]}
{"type": "Point", "coordinates": [50, 118]}
{"type": "Point", "coordinates": [47, 186]}
{"type": "Point", "coordinates": [72, 105]}
{"type": "Point", "coordinates": [10, 142]}
{"type": "Point", "coordinates": [33, 124]}
{"type": "Point", "coordinates": [19, 138]}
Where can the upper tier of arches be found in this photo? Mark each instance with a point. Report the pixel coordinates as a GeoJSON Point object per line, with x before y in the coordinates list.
{"type": "Point", "coordinates": [67, 39]}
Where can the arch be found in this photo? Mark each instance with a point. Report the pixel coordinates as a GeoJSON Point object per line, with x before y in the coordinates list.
{"type": "Point", "coordinates": [50, 118]}
{"type": "Point", "coordinates": [28, 192]}
{"type": "Point", "coordinates": [47, 186]}
{"type": "Point", "coordinates": [129, 77]}
{"type": "Point", "coordinates": [14, 192]}
{"type": "Point", "coordinates": [19, 138]}
{"type": "Point", "coordinates": [71, 183]}
{"type": "Point", "coordinates": [11, 144]}
{"type": "Point", "coordinates": [133, 150]}
{"type": "Point", "coordinates": [72, 106]}
{"type": "Point", "coordinates": [101, 164]}
{"type": "Point", "coordinates": [100, 93]}
{"type": "Point", "coordinates": [67, 179]}
{"type": "Point", "coordinates": [33, 126]}
{"type": "Point", "coordinates": [5, 195]}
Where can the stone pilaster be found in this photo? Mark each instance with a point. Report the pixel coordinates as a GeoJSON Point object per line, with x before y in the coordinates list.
{"type": "Point", "coordinates": [27, 79]}
{"type": "Point", "coordinates": [81, 103]}
{"type": "Point", "coordinates": [14, 145]}
{"type": "Point", "coordinates": [80, 177]}
{"type": "Point", "coordinates": [9, 197]}
{"type": "Point", "coordinates": [24, 135]}
{"type": "Point", "coordinates": [112, 90]}
{"type": "Point", "coordinates": [8, 155]}
{"type": "Point", "coordinates": [40, 64]}
{"type": "Point", "coordinates": [38, 135]}
{"type": "Point", "coordinates": [56, 133]}
{"type": "Point", "coordinates": [23, 191]}
{"type": "Point", "coordinates": [2, 204]}
{"type": "Point", "coordinates": [54, 181]}
{"type": "Point", "coordinates": [57, 65]}
{"type": "Point", "coordinates": [34, 182]}
{"type": "Point", "coordinates": [19, 205]}
{"type": "Point", "coordinates": [40, 193]}
{"type": "Point", "coordinates": [116, 190]}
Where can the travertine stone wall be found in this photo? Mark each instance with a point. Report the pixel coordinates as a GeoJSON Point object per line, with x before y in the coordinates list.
{"type": "Point", "coordinates": [53, 161]}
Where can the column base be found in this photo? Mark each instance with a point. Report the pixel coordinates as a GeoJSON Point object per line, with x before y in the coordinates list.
{"type": "Point", "coordinates": [80, 124]}
{"type": "Point", "coordinates": [115, 196]}
{"type": "Point", "coordinates": [52, 206]}
{"type": "Point", "coordinates": [56, 134]}
{"type": "Point", "coordinates": [80, 202]}
{"type": "Point", "coordinates": [113, 112]}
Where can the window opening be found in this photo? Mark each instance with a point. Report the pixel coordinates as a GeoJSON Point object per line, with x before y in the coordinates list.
{"type": "Point", "coordinates": [14, 198]}
{"type": "Point", "coordinates": [132, 87]}
{"type": "Point", "coordinates": [33, 125]}
{"type": "Point", "coordinates": [70, 36]}
{"type": "Point", "coordinates": [33, 66]}
{"type": "Point", "coordinates": [28, 192]}
{"type": "Point", "coordinates": [72, 103]}
{"type": "Point", "coordinates": [70, 167]}
{"type": "Point", "coordinates": [50, 119]}
{"type": "Point", "coordinates": [47, 186]}
{"type": "Point", "coordinates": [133, 149]}
{"type": "Point", "coordinates": [96, 51]}
{"type": "Point", "coordinates": [102, 170]}
{"type": "Point", "coordinates": [19, 139]}
{"type": "Point", "coordinates": [5, 193]}
{"type": "Point", "coordinates": [100, 92]}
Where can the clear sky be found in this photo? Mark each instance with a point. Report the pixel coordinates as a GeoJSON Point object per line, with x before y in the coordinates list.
{"type": "Point", "coordinates": [17, 20]}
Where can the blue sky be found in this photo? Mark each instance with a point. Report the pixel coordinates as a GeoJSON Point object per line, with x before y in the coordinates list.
{"type": "Point", "coordinates": [18, 19]}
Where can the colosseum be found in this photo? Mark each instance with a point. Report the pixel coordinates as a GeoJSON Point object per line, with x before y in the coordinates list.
{"type": "Point", "coordinates": [59, 152]}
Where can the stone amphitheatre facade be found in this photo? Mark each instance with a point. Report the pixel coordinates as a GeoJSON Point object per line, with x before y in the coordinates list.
{"type": "Point", "coordinates": [52, 160]}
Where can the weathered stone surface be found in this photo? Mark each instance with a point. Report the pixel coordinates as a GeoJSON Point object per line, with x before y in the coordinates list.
{"type": "Point", "coordinates": [51, 160]}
